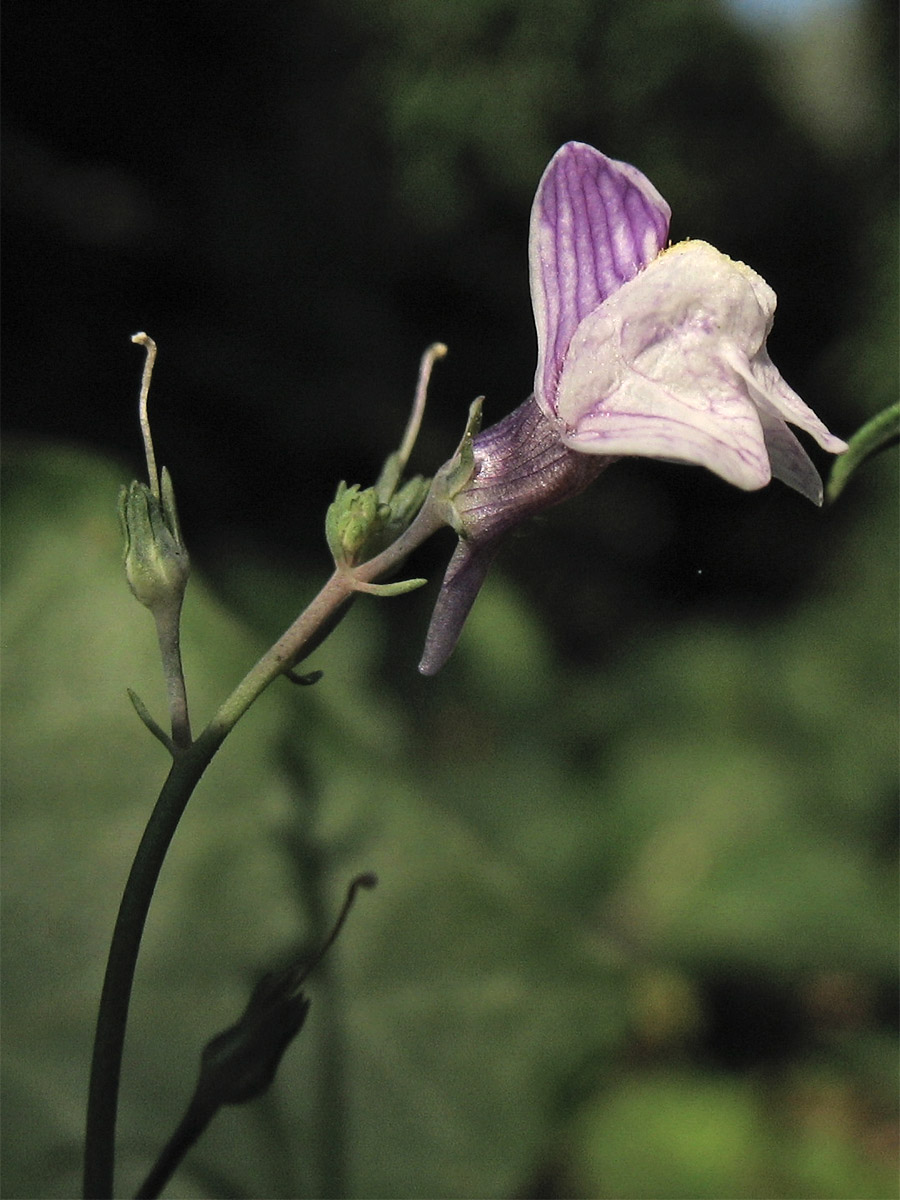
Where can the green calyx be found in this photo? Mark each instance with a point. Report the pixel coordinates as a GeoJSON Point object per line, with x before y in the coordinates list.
{"type": "Point", "coordinates": [459, 471]}
{"type": "Point", "coordinates": [157, 565]}
{"type": "Point", "coordinates": [360, 524]}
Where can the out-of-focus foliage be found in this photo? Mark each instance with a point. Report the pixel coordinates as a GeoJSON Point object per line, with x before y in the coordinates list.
{"type": "Point", "coordinates": [635, 932]}
{"type": "Point", "coordinates": [464, 999]}
{"type": "Point", "coordinates": [719, 805]}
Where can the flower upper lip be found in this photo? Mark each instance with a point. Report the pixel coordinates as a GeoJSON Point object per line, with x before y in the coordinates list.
{"type": "Point", "coordinates": [594, 224]}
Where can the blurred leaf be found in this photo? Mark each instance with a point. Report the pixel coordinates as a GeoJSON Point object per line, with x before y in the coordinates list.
{"type": "Point", "coordinates": [693, 1136]}
{"type": "Point", "coordinates": [464, 1000]}
{"type": "Point", "coordinates": [682, 1136]}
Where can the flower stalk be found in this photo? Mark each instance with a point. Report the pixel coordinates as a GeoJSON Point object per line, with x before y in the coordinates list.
{"type": "Point", "coordinates": [157, 574]}
{"type": "Point", "coordinates": [240, 1063]}
{"type": "Point", "coordinates": [157, 565]}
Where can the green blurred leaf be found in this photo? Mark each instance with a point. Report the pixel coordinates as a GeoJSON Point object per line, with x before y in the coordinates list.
{"type": "Point", "coordinates": [697, 1136]}
{"type": "Point", "coordinates": [463, 997]}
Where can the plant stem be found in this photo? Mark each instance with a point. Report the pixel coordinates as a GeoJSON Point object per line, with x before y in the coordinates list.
{"type": "Point", "coordinates": [189, 1129]}
{"type": "Point", "coordinates": [189, 763]}
{"type": "Point", "coordinates": [186, 770]}
{"type": "Point", "coordinates": [328, 1149]}
{"type": "Point", "coordinates": [168, 632]}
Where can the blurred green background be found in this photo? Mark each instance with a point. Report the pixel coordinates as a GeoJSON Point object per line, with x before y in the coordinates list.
{"type": "Point", "coordinates": [636, 929]}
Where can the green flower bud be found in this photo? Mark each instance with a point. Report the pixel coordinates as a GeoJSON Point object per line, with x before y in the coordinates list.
{"type": "Point", "coordinates": [156, 561]}
{"type": "Point", "coordinates": [349, 521]}
{"type": "Point", "coordinates": [358, 525]}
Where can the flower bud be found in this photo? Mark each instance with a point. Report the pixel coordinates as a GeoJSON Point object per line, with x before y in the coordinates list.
{"type": "Point", "coordinates": [239, 1064]}
{"type": "Point", "coordinates": [358, 525]}
{"type": "Point", "coordinates": [156, 561]}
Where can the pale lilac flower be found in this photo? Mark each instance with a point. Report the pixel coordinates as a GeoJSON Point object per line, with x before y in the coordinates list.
{"type": "Point", "coordinates": [642, 350]}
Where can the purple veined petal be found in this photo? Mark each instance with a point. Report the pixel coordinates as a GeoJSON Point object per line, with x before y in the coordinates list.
{"type": "Point", "coordinates": [521, 468]}
{"type": "Point", "coordinates": [647, 421]}
{"type": "Point", "coordinates": [595, 223]}
{"type": "Point", "coordinates": [777, 403]}
{"type": "Point", "coordinates": [648, 374]}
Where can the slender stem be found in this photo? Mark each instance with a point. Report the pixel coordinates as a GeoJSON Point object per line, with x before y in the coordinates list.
{"type": "Point", "coordinates": [199, 1114]}
{"type": "Point", "coordinates": [882, 430]}
{"type": "Point", "coordinates": [106, 1065]}
{"type": "Point", "coordinates": [328, 1139]}
{"type": "Point", "coordinates": [330, 1147]}
{"type": "Point", "coordinates": [330, 1150]}
{"type": "Point", "coordinates": [168, 632]}
{"type": "Point", "coordinates": [188, 766]}
{"type": "Point", "coordinates": [367, 880]}
{"type": "Point", "coordinates": [304, 635]}
{"type": "Point", "coordinates": [395, 464]}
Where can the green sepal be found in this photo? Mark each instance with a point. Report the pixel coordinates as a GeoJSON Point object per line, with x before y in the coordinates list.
{"type": "Point", "coordinates": [349, 520]}
{"type": "Point", "coordinates": [403, 507]}
{"type": "Point", "coordinates": [157, 565]}
{"type": "Point", "coordinates": [144, 713]}
{"type": "Point", "coordinates": [387, 481]}
{"type": "Point", "coordinates": [453, 477]}
{"type": "Point", "coordinates": [170, 510]}
{"type": "Point", "coordinates": [358, 525]}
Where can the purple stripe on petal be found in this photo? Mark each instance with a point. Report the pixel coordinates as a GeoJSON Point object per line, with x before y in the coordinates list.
{"type": "Point", "coordinates": [521, 468]}
{"type": "Point", "coordinates": [595, 223]}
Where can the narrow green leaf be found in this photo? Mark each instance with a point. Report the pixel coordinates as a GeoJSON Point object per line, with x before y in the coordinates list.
{"type": "Point", "coordinates": [390, 589]}
{"type": "Point", "coordinates": [883, 430]}
{"type": "Point", "coordinates": [144, 713]}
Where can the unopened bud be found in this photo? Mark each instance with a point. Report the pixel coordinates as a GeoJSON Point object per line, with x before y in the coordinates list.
{"type": "Point", "coordinates": [358, 525]}
{"type": "Point", "coordinates": [156, 561]}
{"type": "Point", "coordinates": [239, 1064]}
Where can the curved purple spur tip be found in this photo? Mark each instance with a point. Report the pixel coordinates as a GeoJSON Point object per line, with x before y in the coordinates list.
{"type": "Point", "coordinates": [522, 468]}
{"type": "Point", "coordinates": [462, 582]}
